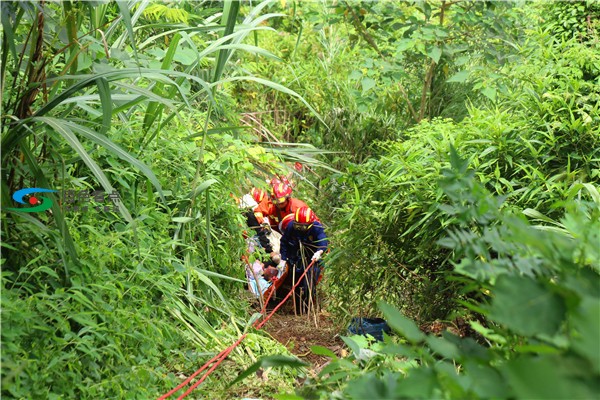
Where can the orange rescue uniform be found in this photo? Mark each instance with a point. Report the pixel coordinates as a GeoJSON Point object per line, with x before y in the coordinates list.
{"type": "Point", "coordinates": [275, 215]}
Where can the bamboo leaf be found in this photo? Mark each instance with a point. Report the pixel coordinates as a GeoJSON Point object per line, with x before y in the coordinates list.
{"type": "Point", "coordinates": [593, 191]}
{"type": "Point", "coordinates": [214, 287]}
{"type": "Point", "coordinates": [124, 10]}
{"type": "Point", "coordinates": [531, 213]}
{"type": "Point", "coordinates": [182, 220]}
{"type": "Point", "coordinates": [252, 49]}
{"type": "Point", "coordinates": [275, 86]}
{"type": "Point", "coordinates": [222, 129]}
{"type": "Point", "coordinates": [220, 276]}
{"type": "Point", "coordinates": [152, 109]}
{"type": "Point", "coordinates": [230, 12]}
{"type": "Point", "coordinates": [8, 32]}
{"type": "Point", "coordinates": [168, 33]}
{"type": "Point", "coordinates": [114, 148]}
{"type": "Point", "coordinates": [105, 100]}
{"type": "Point", "coordinates": [201, 188]}
{"type": "Point", "coordinates": [64, 130]}
{"type": "Point", "coordinates": [57, 213]}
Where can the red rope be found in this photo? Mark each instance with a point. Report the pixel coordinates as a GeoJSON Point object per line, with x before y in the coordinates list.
{"type": "Point", "coordinates": [272, 287]}
{"type": "Point", "coordinates": [224, 353]}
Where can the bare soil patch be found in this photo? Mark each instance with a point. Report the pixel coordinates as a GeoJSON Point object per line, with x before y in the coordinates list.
{"type": "Point", "coordinates": [299, 332]}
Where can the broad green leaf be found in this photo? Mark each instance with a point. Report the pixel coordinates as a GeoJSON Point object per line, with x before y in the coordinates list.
{"type": "Point", "coordinates": [487, 333]}
{"type": "Point", "coordinates": [489, 92]}
{"type": "Point", "coordinates": [459, 77]}
{"type": "Point", "coordinates": [420, 383]}
{"type": "Point", "coordinates": [486, 382]}
{"type": "Point", "coordinates": [543, 377]}
{"type": "Point", "coordinates": [526, 307]}
{"type": "Point", "coordinates": [443, 347]}
{"type": "Point", "coordinates": [586, 323]}
{"type": "Point", "coordinates": [401, 324]}
{"type": "Point", "coordinates": [201, 188]}
{"type": "Point", "coordinates": [185, 56]}
{"type": "Point", "coordinates": [9, 35]}
{"type": "Point", "coordinates": [370, 386]}
{"type": "Point", "coordinates": [367, 84]}
{"type": "Point", "coordinates": [355, 347]}
{"type": "Point", "coordinates": [322, 351]}
{"type": "Point", "coordinates": [405, 44]}
{"type": "Point", "coordinates": [436, 54]}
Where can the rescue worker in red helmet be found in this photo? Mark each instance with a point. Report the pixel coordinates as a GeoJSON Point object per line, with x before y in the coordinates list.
{"type": "Point", "coordinates": [303, 239]}
{"type": "Point", "coordinates": [285, 222]}
{"type": "Point", "coordinates": [281, 204]}
{"type": "Point", "coordinates": [258, 195]}
{"type": "Point", "coordinates": [305, 230]}
{"type": "Point", "coordinates": [262, 199]}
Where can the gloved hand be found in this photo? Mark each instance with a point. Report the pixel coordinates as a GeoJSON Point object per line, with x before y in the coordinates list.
{"type": "Point", "coordinates": [266, 227]}
{"type": "Point", "coordinates": [275, 257]}
{"type": "Point", "coordinates": [281, 265]}
{"type": "Point", "coordinates": [317, 255]}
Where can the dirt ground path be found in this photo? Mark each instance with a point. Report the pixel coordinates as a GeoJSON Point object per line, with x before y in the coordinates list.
{"type": "Point", "coordinates": [299, 332]}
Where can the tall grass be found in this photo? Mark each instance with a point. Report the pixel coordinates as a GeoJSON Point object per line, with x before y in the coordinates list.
{"type": "Point", "coordinates": [105, 304]}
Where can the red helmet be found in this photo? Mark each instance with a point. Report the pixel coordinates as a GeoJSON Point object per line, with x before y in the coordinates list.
{"type": "Point", "coordinates": [280, 193]}
{"type": "Point", "coordinates": [258, 194]}
{"type": "Point", "coordinates": [276, 180]}
{"type": "Point", "coordinates": [304, 215]}
{"type": "Point", "coordinates": [285, 222]}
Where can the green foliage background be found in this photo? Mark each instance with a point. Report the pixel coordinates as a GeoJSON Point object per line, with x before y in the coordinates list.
{"type": "Point", "coordinates": [451, 148]}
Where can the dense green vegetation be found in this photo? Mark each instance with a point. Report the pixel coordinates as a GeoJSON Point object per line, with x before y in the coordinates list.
{"type": "Point", "coordinates": [452, 149]}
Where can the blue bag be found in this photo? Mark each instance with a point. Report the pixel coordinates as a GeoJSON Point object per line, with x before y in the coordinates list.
{"type": "Point", "coordinates": [372, 326]}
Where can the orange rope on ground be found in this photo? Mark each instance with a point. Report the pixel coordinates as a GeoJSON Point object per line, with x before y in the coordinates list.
{"type": "Point", "coordinates": [224, 353]}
